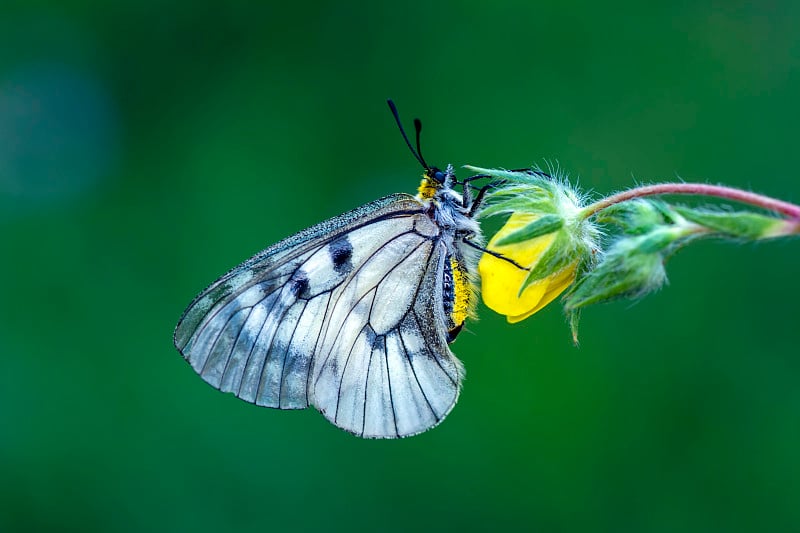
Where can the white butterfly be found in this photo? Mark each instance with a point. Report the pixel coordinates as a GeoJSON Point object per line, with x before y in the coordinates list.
{"type": "Point", "coordinates": [352, 316]}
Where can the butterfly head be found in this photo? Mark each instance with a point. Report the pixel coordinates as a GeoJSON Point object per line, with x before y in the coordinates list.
{"type": "Point", "coordinates": [435, 180]}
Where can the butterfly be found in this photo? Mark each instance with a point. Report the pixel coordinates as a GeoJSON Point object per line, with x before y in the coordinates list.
{"type": "Point", "coordinates": [353, 316]}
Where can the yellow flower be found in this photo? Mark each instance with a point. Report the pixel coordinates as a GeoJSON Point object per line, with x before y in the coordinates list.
{"type": "Point", "coordinates": [501, 281]}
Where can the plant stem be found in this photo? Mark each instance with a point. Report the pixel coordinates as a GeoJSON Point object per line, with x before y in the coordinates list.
{"type": "Point", "coordinates": [697, 189]}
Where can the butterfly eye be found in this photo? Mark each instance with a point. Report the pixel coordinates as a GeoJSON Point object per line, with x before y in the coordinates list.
{"type": "Point", "coordinates": [439, 176]}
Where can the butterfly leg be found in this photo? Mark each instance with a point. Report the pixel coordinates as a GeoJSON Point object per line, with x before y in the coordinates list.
{"type": "Point", "coordinates": [465, 240]}
{"type": "Point", "coordinates": [473, 204]}
{"type": "Point", "coordinates": [478, 201]}
{"type": "Point", "coordinates": [468, 200]}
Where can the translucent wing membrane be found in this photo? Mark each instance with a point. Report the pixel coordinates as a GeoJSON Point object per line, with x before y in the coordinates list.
{"type": "Point", "coordinates": [346, 316]}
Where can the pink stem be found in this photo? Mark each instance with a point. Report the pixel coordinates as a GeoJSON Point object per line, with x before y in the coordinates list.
{"type": "Point", "coordinates": [699, 189]}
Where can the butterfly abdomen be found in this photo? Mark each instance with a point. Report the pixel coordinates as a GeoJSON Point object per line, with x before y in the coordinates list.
{"type": "Point", "coordinates": [456, 295]}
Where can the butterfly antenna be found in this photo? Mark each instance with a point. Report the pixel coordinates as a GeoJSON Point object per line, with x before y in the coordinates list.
{"type": "Point", "coordinates": [417, 126]}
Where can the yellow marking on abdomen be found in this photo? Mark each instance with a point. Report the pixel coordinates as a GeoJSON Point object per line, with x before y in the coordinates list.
{"type": "Point", "coordinates": [461, 292]}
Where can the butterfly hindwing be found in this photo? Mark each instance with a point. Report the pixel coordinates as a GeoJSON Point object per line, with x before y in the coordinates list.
{"type": "Point", "coordinates": [346, 316]}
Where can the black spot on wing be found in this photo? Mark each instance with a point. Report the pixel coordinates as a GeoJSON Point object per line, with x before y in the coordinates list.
{"type": "Point", "coordinates": [299, 284]}
{"type": "Point", "coordinates": [341, 252]}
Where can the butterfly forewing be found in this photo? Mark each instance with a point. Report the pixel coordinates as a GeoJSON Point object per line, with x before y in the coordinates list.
{"type": "Point", "coordinates": [346, 316]}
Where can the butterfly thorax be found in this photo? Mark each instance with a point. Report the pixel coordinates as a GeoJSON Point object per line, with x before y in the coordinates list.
{"type": "Point", "coordinates": [451, 213]}
{"type": "Point", "coordinates": [443, 204]}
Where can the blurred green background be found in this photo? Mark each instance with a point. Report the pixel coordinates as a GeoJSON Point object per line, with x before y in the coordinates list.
{"type": "Point", "coordinates": [146, 147]}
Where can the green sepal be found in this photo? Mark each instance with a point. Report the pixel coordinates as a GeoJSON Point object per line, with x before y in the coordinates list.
{"type": "Point", "coordinates": [657, 240]}
{"type": "Point", "coordinates": [527, 190]}
{"type": "Point", "coordinates": [618, 276]}
{"type": "Point", "coordinates": [558, 256]}
{"type": "Point", "coordinates": [637, 217]}
{"type": "Point", "coordinates": [499, 206]}
{"type": "Point", "coordinates": [738, 224]}
{"type": "Point", "coordinates": [541, 226]}
{"type": "Point", "coordinates": [534, 176]}
{"type": "Point", "coordinates": [573, 317]}
{"type": "Point", "coordinates": [521, 196]}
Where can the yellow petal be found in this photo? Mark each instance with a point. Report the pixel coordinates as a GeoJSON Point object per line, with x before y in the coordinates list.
{"type": "Point", "coordinates": [501, 280]}
{"type": "Point", "coordinates": [555, 286]}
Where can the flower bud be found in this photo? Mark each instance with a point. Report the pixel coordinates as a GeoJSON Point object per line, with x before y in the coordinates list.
{"type": "Point", "coordinates": [627, 271]}
{"type": "Point", "coordinates": [535, 255]}
{"type": "Point", "coordinates": [503, 284]}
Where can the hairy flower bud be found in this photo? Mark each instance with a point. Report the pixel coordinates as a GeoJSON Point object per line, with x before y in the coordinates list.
{"type": "Point", "coordinates": [535, 256]}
